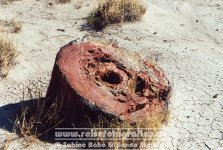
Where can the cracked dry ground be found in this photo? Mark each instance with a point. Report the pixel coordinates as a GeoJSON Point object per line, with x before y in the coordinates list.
{"type": "Point", "coordinates": [183, 37]}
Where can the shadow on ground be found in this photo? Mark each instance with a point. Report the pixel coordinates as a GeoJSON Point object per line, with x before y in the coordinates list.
{"type": "Point", "coordinates": [9, 113]}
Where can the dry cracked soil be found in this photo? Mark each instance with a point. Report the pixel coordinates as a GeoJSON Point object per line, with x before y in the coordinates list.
{"type": "Point", "coordinates": [184, 37]}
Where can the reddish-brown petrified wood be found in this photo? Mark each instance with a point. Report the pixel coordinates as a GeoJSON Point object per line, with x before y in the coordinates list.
{"type": "Point", "coordinates": [92, 78]}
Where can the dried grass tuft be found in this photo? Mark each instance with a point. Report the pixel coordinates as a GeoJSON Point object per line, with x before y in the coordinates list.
{"type": "Point", "coordinates": [37, 120]}
{"type": "Point", "coordinates": [17, 26]}
{"type": "Point", "coordinates": [116, 11]}
{"type": "Point", "coordinates": [152, 125]}
{"type": "Point", "coordinates": [63, 1]}
{"type": "Point", "coordinates": [7, 55]}
{"type": "Point", "coordinates": [10, 26]}
{"type": "Point", "coordinates": [6, 2]}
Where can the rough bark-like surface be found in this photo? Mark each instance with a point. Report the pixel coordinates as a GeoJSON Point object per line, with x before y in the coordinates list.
{"type": "Point", "coordinates": [92, 78]}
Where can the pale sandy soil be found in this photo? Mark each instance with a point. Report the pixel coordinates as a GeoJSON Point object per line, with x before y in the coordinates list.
{"type": "Point", "coordinates": [185, 37]}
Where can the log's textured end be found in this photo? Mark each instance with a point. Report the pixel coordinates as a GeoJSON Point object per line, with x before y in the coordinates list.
{"type": "Point", "coordinates": [91, 77]}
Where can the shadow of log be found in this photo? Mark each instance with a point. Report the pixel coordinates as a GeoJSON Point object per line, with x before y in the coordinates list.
{"type": "Point", "coordinates": [9, 113]}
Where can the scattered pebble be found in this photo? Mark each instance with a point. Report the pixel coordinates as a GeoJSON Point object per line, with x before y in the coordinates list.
{"type": "Point", "coordinates": [215, 96]}
{"type": "Point", "coordinates": [62, 30]}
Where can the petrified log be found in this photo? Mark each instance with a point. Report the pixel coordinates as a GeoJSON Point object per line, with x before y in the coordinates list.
{"type": "Point", "coordinates": [92, 78]}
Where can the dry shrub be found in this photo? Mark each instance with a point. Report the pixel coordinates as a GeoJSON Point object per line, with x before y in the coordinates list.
{"type": "Point", "coordinates": [152, 125]}
{"type": "Point", "coordinates": [63, 1]}
{"type": "Point", "coordinates": [116, 11]}
{"type": "Point", "coordinates": [11, 26]}
{"type": "Point", "coordinates": [37, 120]}
{"type": "Point", "coordinates": [7, 55]}
{"type": "Point", "coordinates": [17, 26]}
{"type": "Point", "coordinates": [5, 2]}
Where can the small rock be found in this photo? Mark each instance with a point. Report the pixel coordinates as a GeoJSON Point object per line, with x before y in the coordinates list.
{"type": "Point", "coordinates": [215, 96]}
{"type": "Point", "coordinates": [127, 38]}
{"type": "Point", "coordinates": [62, 30]}
{"type": "Point", "coordinates": [77, 7]}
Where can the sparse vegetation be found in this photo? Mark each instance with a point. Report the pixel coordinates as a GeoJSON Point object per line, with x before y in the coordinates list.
{"type": "Point", "coordinates": [11, 26]}
{"type": "Point", "coordinates": [152, 124]}
{"type": "Point", "coordinates": [37, 119]}
{"type": "Point", "coordinates": [5, 2]}
{"type": "Point", "coordinates": [7, 55]}
{"type": "Point", "coordinates": [116, 11]}
{"type": "Point", "coordinates": [63, 1]}
{"type": "Point", "coordinates": [17, 26]}
{"type": "Point", "coordinates": [6, 144]}
{"type": "Point", "coordinates": [40, 118]}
